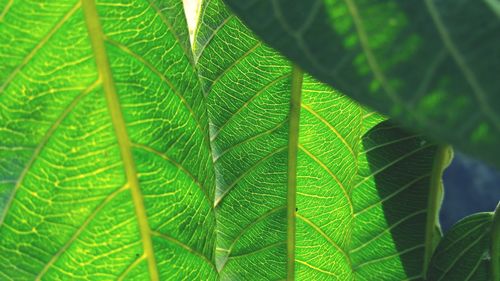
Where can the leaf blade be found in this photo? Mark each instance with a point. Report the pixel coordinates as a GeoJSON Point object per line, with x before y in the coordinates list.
{"type": "Point", "coordinates": [330, 139]}
{"type": "Point", "coordinates": [418, 62]}
{"type": "Point", "coordinates": [72, 216]}
{"type": "Point", "coordinates": [462, 253]}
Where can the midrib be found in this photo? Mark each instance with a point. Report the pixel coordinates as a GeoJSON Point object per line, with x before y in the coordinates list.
{"type": "Point", "coordinates": [96, 37]}
{"type": "Point", "coordinates": [293, 135]}
{"type": "Point", "coordinates": [441, 161]}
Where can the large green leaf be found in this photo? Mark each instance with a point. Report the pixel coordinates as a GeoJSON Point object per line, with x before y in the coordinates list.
{"type": "Point", "coordinates": [123, 156]}
{"type": "Point", "coordinates": [433, 64]}
{"type": "Point", "coordinates": [466, 253]}
{"type": "Point", "coordinates": [352, 203]}
{"type": "Point", "coordinates": [105, 168]}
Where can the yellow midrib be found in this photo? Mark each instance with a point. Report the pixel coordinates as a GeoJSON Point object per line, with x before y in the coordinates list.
{"type": "Point", "coordinates": [293, 144]}
{"type": "Point", "coordinates": [97, 40]}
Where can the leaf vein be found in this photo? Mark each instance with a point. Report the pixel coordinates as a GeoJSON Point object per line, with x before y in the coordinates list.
{"type": "Point", "coordinates": [42, 43]}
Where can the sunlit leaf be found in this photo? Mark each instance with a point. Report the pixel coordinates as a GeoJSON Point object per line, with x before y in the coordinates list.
{"type": "Point", "coordinates": [105, 166]}
{"type": "Point", "coordinates": [361, 187]}
{"type": "Point", "coordinates": [125, 154]}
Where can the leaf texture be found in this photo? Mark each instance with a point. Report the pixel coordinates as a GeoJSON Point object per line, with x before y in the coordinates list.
{"type": "Point", "coordinates": [105, 159]}
{"type": "Point", "coordinates": [124, 154]}
{"type": "Point", "coordinates": [430, 64]}
{"type": "Point", "coordinates": [464, 252]}
{"type": "Point", "coordinates": [248, 94]}
{"type": "Point", "coordinates": [362, 184]}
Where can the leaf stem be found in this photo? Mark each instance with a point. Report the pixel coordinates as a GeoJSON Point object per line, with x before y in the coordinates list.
{"type": "Point", "coordinates": [443, 157]}
{"type": "Point", "coordinates": [295, 100]}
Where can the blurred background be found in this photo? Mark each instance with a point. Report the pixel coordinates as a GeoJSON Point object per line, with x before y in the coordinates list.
{"type": "Point", "coordinates": [470, 186]}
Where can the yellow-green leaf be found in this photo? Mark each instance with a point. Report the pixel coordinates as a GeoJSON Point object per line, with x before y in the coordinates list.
{"type": "Point", "coordinates": [106, 169]}
{"type": "Point", "coordinates": [127, 154]}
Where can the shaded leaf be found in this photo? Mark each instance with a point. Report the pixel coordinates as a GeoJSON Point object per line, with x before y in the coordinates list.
{"type": "Point", "coordinates": [430, 64]}
{"type": "Point", "coordinates": [464, 252]}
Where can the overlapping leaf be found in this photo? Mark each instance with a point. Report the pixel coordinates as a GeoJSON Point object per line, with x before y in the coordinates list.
{"type": "Point", "coordinates": [125, 156]}
{"type": "Point", "coordinates": [431, 64]}
{"type": "Point", "coordinates": [465, 252]}
{"type": "Point", "coordinates": [362, 186]}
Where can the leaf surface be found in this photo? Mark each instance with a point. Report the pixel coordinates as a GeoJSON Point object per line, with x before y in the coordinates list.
{"type": "Point", "coordinates": [360, 191]}
{"type": "Point", "coordinates": [125, 155]}
{"type": "Point", "coordinates": [430, 64]}
{"type": "Point", "coordinates": [464, 252]}
{"type": "Point", "coordinates": [106, 169]}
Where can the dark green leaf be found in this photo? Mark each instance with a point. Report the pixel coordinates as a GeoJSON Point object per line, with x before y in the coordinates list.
{"type": "Point", "coordinates": [432, 64]}
{"type": "Point", "coordinates": [464, 252]}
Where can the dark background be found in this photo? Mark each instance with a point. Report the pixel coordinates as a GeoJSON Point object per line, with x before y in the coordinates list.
{"type": "Point", "coordinates": [470, 186]}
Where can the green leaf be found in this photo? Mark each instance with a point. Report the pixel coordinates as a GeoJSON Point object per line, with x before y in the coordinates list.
{"type": "Point", "coordinates": [352, 201]}
{"type": "Point", "coordinates": [105, 163]}
{"type": "Point", "coordinates": [430, 64]}
{"type": "Point", "coordinates": [495, 245]}
{"type": "Point", "coordinates": [464, 252]}
{"type": "Point", "coordinates": [125, 156]}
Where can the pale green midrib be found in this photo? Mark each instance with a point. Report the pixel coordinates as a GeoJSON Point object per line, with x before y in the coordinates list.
{"type": "Point", "coordinates": [294, 120]}
{"type": "Point", "coordinates": [96, 37]}
{"type": "Point", "coordinates": [293, 135]}
{"type": "Point", "coordinates": [495, 245]}
{"type": "Point", "coordinates": [441, 160]}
